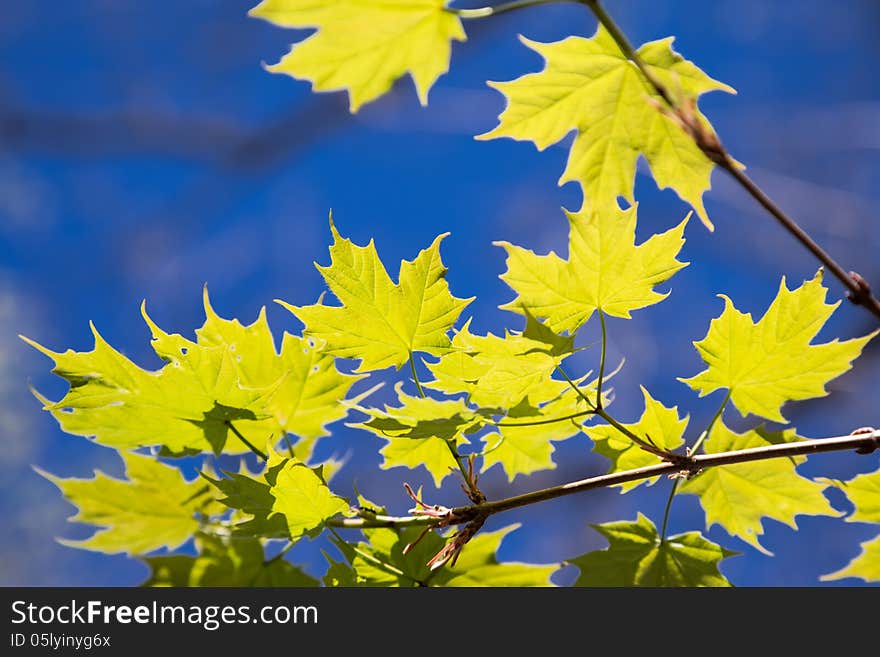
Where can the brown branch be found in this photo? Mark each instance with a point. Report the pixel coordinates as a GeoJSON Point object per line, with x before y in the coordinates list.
{"type": "Point", "coordinates": [684, 113]}
{"type": "Point", "coordinates": [862, 441]}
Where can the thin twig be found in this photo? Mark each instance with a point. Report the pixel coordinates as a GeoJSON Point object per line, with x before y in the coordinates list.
{"type": "Point", "coordinates": [862, 443]}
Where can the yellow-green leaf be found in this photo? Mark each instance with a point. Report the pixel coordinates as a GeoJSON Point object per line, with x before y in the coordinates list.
{"type": "Point", "coordinates": [303, 498]}
{"type": "Point", "coordinates": [738, 496]}
{"type": "Point", "coordinates": [421, 431]}
{"type": "Point", "coordinates": [365, 45]}
{"type": "Point", "coordinates": [635, 556]}
{"type": "Point", "coordinates": [379, 322]}
{"type": "Point", "coordinates": [478, 565]}
{"type": "Point", "coordinates": [529, 448]}
{"type": "Point", "coordinates": [236, 562]}
{"type": "Point", "coordinates": [500, 372]}
{"type": "Point", "coordinates": [231, 373]}
{"type": "Point", "coordinates": [589, 86]}
{"type": "Point", "coordinates": [381, 561]}
{"type": "Point", "coordinates": [769, 362]}
{"type": "Point", "coordinates": [605, 270]}
{"type": "Point", "coordinates": [658, 424]}
{"type": "Point", "coordinates": [864, 492]}
{"type": "Point", "coordinates": [153, 507]}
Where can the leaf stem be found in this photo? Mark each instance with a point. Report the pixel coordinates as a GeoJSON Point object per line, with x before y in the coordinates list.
{"type": "Point", "coordinates": [281, 553]}
{"type": "Point", "coordinates": [289, 446]}
{"type": "Point", "coordinates": [641, 442]}
{"type": "Point", "coordinates": [601, 361]}
{"type": "Point", "coordinates": [415, 375]}
{"type": "Point", "coordinates": [671, 497]}
{"type": "Point", "coordinates": [494, 10]}
{"type": "Point", "coordinates": [859, 291]}
{"type": "Point", "coordinates": [691, 452]}
{"type": "Point", "coordinates": [471, 486]}
{"type": "Point", "coordinates": [540, 422]}
{"type": "Point", "coordinates": [247, 442]}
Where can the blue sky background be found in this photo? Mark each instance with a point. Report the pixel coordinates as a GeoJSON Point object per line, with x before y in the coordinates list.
{"type": "Point", "coordinates": [145, 152]}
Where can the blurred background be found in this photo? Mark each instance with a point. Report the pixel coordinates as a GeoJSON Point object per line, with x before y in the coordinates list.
{"type": "Point", "coordinates": [145, 152]}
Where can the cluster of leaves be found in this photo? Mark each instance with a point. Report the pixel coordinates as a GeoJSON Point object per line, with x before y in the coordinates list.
{"type": "Point", "coordinates": [493, 400]}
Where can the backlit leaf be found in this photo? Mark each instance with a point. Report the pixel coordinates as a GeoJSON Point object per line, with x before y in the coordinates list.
{"type": "Point", "coordinates": [380, 322]}
{"type": "Point", "coordinates": [635, 556]}
{"type": "Point", "coordinates": [365, 45]}
{"type": "Point", "coordinates": [738, 496]}
{"type": "Point", "coordinates": [658, 424]}
{"type": "Point", "coordinates": [153, 507]}
{"type": "Point", "coordinates": [589, 86]}
{"type": "Point", "coordinates": [864, 492]}
{"type": "Point", "coordinates": [237, 562]}
{"type": "Point", "coordinates": [605, 270]}
{"type": "Point", "coordinates": [420, 432]}
{"type": "Point", "coordinates": [769, 362]}
{"type": "Point", "coordinates": [230, 374]}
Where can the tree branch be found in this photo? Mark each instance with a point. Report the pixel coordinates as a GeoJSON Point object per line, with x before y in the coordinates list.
{"type": "Point", "coordinates": [858, 289]}
{"type": "Point", "coordinates": [863, 442]}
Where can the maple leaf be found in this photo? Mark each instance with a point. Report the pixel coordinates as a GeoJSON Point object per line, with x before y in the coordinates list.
{"type": "Point", "coordinates": [605, 271]}
{"type": "Point", "coordinates": [529, 448]}
{"type": "Point", "coordinates": [588, 85]}
{"type": "Point", "coordinates": [478, 565]}
{"type": "Point", "coordinates": [237, 562]}
{"type": "Point", "coordinates": [382, 561]}
{"type": "Point", "coordinates": [303, 497]}
{"type": "Point", "coordinates": [864, 492]}
{"type": "Point", "coordinates": [231, 373]}
{"type": "Point", "coordinates": [251, 498]}
{"type": "Point", "coordinates": [636, 556]}
{"type": "Point", "coordinates": [379, 322]}
{"type": "Point", "coordinates": [659, 424]}
{"type": "Point", "coordinates": [738, 496]}
{"type": "Point", "coordinates": [422, 432]}
{"type": "Point", "coordinates": [500, 372]}
{"type": "Point", "coordinates": [766, 363]}
{"type": "Point", "coordinates": [365, 45]}
{"type": "Point", "coordinates": [153, 507]}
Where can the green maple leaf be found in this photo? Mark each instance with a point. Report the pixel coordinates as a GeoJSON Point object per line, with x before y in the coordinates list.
{"type": "Point", "coordinates": [605, 271]}
{"type": "Point", "coordinates": [864, 492]}
{"type": "Point", "coordinates": [529, 448]}
{"type": "Point", "coordinates": [589, 86]}
{"type": "Point", "coordinates": [153, 507]}
{"type": "Point", "coordinates": [738, 496]}
{"type": "Point", "coordinates": [253, 503]}
{"type": "Point", "coordinates": [769, 362]}
{"type": "Point", "coordinates": [381, 561]}
{"type": "Point", "coordinates": [421, 432]}
{"type": "Point", "coordinates": [478, 565]}
{"type": "Point", "coordinates": [231, 373]}
{"type": "Point", "coordinates": [660, 424]}
{"type": "Point", "coordinates": [380, 322]}
{"type": "Point", "coordinates": [237, 562]}
{"type": "Point", "coordinates": [365, 45]}
{"type": "Point", "coordinates": [303, 497]}
{"type": "Point", "coordinates": [500, 372]}
{"type": "Point", "coordinates": [635, 556]}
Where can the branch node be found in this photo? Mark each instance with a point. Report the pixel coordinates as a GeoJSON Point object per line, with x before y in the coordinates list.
{"type": "Point", "coordinates": [870, 448]}
{"type": "Point", "coordinates": [863, 296]}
